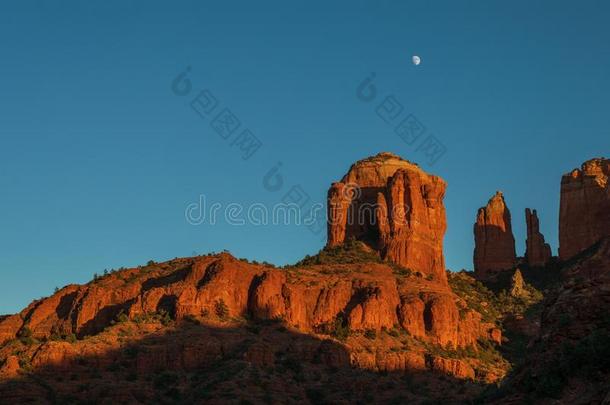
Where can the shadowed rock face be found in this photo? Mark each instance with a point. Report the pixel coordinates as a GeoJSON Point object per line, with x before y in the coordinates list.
{"type": "Point", "coordinates": [537, 253]}
{"type": "Point", "coordinates": [396, 208]}
{"type": "Point", "coordinates": [215, 363]}
{"type": "Point", "coordinates": [494, 241]}
{"type": "Point", "coordinates": [584, 213]}
{"type": "Point", "coordinates": [574, 335]}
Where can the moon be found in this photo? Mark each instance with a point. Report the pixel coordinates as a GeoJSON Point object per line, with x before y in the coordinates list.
{"type": "Point", "coordinates": [416, 60]}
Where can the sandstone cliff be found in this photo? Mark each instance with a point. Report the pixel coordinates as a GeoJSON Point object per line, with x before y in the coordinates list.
{"type": "Point", "coordinates": [213, 312]}
{"type": "Point", "coordinates": [367, 296]}
{"type": "Point", "coordinates": [376, 298]}
{"type": "Point", "coordinates": [394, 207]}
{"type": "Point", "coordinates": [371, 316]}
{"type": "Point", "coordinates": [494, 241]}
{"type": "Point", "coordinates": [584, 213]}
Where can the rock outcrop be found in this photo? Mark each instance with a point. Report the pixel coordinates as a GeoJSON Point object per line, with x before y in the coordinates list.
{"type": "Point", "coordinates": [207, 312]}
{"type": "Point", "coordinates": [537, 253]}
{"type": "Point", "coordinates": [367, 296]}
{"type": "Point", "coordinates": [584, 211]}
{"type": "Point", "coordinates": [571, 343]}
{"type": "Point", "coordinates": [10, 368]}
{"type": "Point", "coordinates": [452, 367]}
{"type": "Point", "coordinates": [494, 241]}
{"type": "Point", "coordinates": [517, 285]}
{"type": "Point", "coordinates": [396, 208]}
{"type": "Point", "coordinates": [313, 301]}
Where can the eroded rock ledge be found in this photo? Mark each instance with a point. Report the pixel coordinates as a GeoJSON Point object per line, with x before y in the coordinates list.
{"type": "Point", "coordinates": [364, 297]}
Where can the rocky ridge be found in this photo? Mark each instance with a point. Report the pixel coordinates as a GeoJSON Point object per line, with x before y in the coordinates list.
{"type": "Point", "coordinates": [373, 315]}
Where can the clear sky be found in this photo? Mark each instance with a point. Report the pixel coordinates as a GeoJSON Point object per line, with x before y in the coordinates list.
{"type": "Point", "coordinates": [99, 158]}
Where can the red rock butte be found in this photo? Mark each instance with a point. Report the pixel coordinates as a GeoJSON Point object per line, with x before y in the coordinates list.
{"type": "Point", "coordinates": [494, 241]}
{"type": "Point", "coordinates": [129, 335]}
{"type": "Point", "coordinates": [584, 210]}
{"type": "Point", "coordinates": [362, 296]}
{"type": "Point", "coordinates": [396, 208]}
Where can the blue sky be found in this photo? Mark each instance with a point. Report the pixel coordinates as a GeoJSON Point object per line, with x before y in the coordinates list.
{"type": "Point", "coordinates": [99, 158]}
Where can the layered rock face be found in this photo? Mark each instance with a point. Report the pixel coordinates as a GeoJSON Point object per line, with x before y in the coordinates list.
{"type": "Point", "coordinates": [537, 253]}
{"type": "Point", "coordinates": [364, 296]}
{"type": "Point", "coordinates": [394, 207]}
{"type": "Point", "coordinates": [584, 211]}
{"type": "Point", "coordinates": [203, 304]}
{"type": "Point", "coordinates": [494, 241]}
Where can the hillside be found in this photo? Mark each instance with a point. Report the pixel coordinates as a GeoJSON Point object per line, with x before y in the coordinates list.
{"type": "Point", "coordinates": [373, 317]}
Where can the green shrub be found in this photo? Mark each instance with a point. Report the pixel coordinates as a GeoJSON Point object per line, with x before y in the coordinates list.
{"type": "Point", "coordinates": [221, 309]}
{"type": "Point", "coordinates": [401, 271]}
{"type": "Point", "coordinates": [394, 332]}
{"type": "Point", "coordinates": [25, 336]}
{"type": "Point", "coordinates": [352, 251]}
{"type": "Point", "coordinates": [370, 334]}
{"type": "Point", "coordinates": [164, 317]}
{"type": "Point", "coordinates": [122, 317]}
{"type": "Point", "coordinates": [25, 363]}
{"type": "Point", "coordinates": [340, 329]}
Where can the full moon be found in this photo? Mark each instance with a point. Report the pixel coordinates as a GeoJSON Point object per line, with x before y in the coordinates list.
{"type": "Point", "coordinates": [416, 60]}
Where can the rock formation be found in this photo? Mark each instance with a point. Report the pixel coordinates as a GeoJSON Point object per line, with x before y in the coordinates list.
{"type": "Point", "coordinates": [368, 296]}
{"type": "Point", "coordinates": [215, 312]}
{"type": "Point", "coordinates": [572, 341]}
{"type": "Point", "coordinates": [517, 284]}
{"type": "Point", "coordinates": [396, 208]}
{"type": "Point", "coordinates": [537, 253]}
{"type": "Point", "coordinates": [399, 215]}
{"type": "Point", "coordinates": [494, 241]}
{"type": "Point", "coordinates": [584, 212]}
